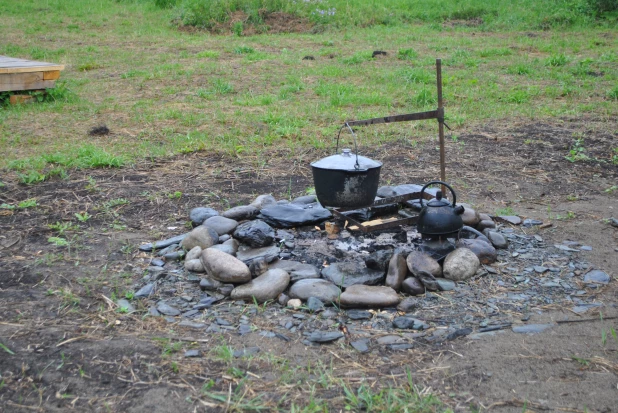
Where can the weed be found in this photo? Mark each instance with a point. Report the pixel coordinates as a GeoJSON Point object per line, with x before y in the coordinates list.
{"type": "Point", "coordinates": [28, 203]}
{"type": "Point", "coordinates": [31, 177]}
{"type": "Point", "coordinates": [425, 97]}
{"type": "Point", "coordinates": [407, 54]}
{"type": "Point", "coordinates": [57, 241]}
{"type": "Point", "coordinates": [577, 151]}
{"type": "Point", "coordinates": [174, 195]}
{"type": "Point", "coordinates": [611, 189]}
{"type": "Point", "coordinates": [223, 353]}
{"type": "Point", "coordinates": [506, 211]}
{"type": "Point", "coordinates": [244, 50]}
{"type": "Point", "coordinates": [83, 216]}
{"type": "Point", "coordinates": [613, 93]}
{"type": "Point", "coordinates": [5, 348]}
{"type": "Point", "coordinates": [112, 203]}
{"type": "Point", "coordinates": [62, 227]}
{"type": "Point", "coordinates": [556, 60]}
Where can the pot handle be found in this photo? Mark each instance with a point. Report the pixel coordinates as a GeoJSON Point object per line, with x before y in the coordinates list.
{"type": "Point", "coordinates": [357, 165]}
{"type": "Point", "coordinates": [441, 183]}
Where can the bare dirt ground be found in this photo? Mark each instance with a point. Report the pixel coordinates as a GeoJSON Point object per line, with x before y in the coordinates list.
{"type": "Point", "coordinates": [67, 349]}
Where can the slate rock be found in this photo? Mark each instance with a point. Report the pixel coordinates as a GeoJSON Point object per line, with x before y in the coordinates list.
{"type": "Point", "coordinates": [297, 270]}
{"type": "Point", "coordinates": [210, 284]}
{"type": "Point", "coordinates": [314, 304]}
{"type": "Point", "coordinates": [194, 253]}
{"type": "Point", "coordinates": [409, 304]}
{"type": "Point", "coordinates": [241, 213]}
{"type": "Point", "coordinates": [162, 244]}
{"type": "Point", "coordinates": [409, 323]}
{"type": "Point", "coordinates": [369, 296]}
{"type": "Point", "coordinates": [192, 353]}
{"type": "Point", "coordinates": [418, 261]}
{"type": "Point", "coordinates": [125, 306]}
{"type": "Point", "coordinates": [266, 287]}
{"type": "Point", "coordinates": [397, 271]}
{"type": "Point", "coordinates": [145, 291]}
{"type": "Point", "coordinates": [361, 346]}
{"type": "Point", "coordinates": [345, 274]}
{"type": "Point", "coordinates": [485, 252]}
{"type": "Point", "coordinates": [256, 234]}
{"type": "Point", "coordinates": [269, 254]}
{"type": "Point", "coordinates": [497, 239]}
{"type": "Point", "coordinates": [532, 222]}
{"type": "Point", "coordinates": [290, 216]}
{"type": "Point", "coordinates": [412, 286]}
{"type": "Point", "coordinates": [461, 332]}
{"type": "Point", "coordinates": [445, 285]}
{"type": "Point", "coordinates": [532, 328]}
{"type": "Point", "coordinates": [200, 214]}
{"type": "Point", "coordinates": [596, 278]}
{"type": "Point", "coordinates": [510, 219]}
{"type": "Point", "coordinates": [201, 236]}
{"type": "Point", "coordinates": [263, 201]}
{"type": "Point", "coordinates": [245, 352]}
{"type": "Point", "coordinates": [257, 266]}
{"type": "Point", "coordinates": [224, 267]}
{"type": "Point", "coordinates": [166, 309]}
{"type": "Point", "coordinates": [428, 280]}
{"type": "Point", "coordinates": [324, 290]}
{"type": "Point", "coordinates": [324, 337]}
{"type": "Point", "coordinates": [460, 264]}
{"type": "Point", "coordinates": [221, 225]}
{"type": "Point", "coordinates": [379, 260]}
{"type": "Point", "coordinates": [359, 315]}
{"type": "Point", "coordinates": [157, 262]}
{"type": "Point", "coordinates": [192, 324]}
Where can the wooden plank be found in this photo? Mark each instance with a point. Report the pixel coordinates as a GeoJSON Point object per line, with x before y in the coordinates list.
{"type": "Point", "coordinates": [15, 65]}
{"type": "Point", "coordinates": [24, 81]}
{"type": "Point", "coordinates": [51, 75]}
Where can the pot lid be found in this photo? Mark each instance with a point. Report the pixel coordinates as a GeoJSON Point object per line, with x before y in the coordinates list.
{"type": "Point", "coordinates": [346, 161]}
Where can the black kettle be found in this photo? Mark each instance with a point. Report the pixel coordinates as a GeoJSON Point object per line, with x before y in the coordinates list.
{"type": "Point", "coordinates": [439, 218]}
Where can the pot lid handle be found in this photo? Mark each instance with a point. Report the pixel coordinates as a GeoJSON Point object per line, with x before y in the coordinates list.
{"type": "Point", "coordinates": [356, 165]}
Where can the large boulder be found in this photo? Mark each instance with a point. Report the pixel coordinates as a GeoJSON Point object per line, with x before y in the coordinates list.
{"type": "Point", "coordinates": [266, 287]}
{"type": "Point", "coordinates": [201, 236]}
{"type": "Point", "coordinates": [460, 264]}
{"type": "Point", "coordinates": [224, 267]}
{"type": "Point", "coordinates": [369, 296]}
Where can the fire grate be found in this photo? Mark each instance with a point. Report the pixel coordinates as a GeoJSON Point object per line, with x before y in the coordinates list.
{"type": "Point", "coordinates": [379, 224]}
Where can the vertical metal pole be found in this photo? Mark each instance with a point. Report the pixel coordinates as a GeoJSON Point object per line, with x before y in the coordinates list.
{"type": "Point", "coordinates": [441, 123]}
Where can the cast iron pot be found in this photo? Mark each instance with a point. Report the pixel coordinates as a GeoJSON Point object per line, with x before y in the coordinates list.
{"type": "Point", "coordinates": [346, 180]}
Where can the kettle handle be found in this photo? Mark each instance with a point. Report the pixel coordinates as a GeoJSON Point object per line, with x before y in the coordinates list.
{"type": "Point", "coordinates": [441, 183]}
{"type": "Point", "coordinates": [357, 165]}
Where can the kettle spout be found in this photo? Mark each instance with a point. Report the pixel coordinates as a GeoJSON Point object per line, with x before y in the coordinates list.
{"type": "Point", "coordinates": [459, 209]}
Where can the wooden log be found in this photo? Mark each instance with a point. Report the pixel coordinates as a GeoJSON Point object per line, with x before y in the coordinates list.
{"type": "Point", "coordinates": [24, 81]}
{"type": "Point", "coordinates": [51, 75]}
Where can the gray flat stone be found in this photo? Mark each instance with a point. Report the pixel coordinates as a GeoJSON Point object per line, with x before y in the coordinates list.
{"type": "Point", "coordinates": [324, 336]}
{"type": "Point", "coordinates": [532, 328]}
{"type": "Point", "coordinates": [166, 309]}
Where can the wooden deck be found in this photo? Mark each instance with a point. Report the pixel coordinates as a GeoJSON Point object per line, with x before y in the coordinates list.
{"type": "Point", "coordinates": [21, 74]}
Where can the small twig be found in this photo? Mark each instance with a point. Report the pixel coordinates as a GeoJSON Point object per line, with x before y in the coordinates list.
{"type": "Point", "coordinates": [585, 319]}
{"type": "Point", "coordinates": [70, 340]}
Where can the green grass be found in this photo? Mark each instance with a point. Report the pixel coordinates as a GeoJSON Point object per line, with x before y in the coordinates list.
{"type": "Point", "coordinates": [163, 92]}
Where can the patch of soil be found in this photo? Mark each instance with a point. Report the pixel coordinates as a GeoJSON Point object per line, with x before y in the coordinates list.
{"type": "Point", "coordinates": [70, 349]}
